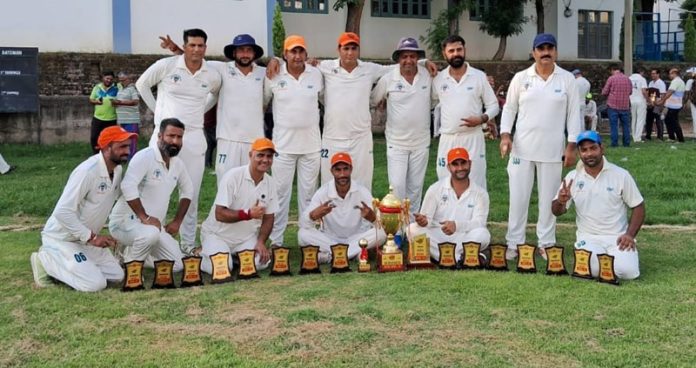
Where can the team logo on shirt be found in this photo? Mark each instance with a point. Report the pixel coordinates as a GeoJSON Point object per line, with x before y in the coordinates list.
{"type": "Point", "coordinates": [102, 187]}
{"type": "Point", "coordinates": [204, 85]}
{"type": "Point", "coordinates": [257, 79]}
{"type": "Point", "coordinates": [399, 86]}
{"type": "Point", "coordinates": [157, 173]}
{"type": "Point", "coordinates": [176, 78]}
{"type": "Point", "coordinates": [610, 189]}
{"type": "Point", "coordinates": [581, 184]}
{"type": "Point", "coordinates": [444, 88]}
{"type": "Point", "coordinates": [557, 90]}
{"type": "Point", "coordinates": [233, 73]}
{"type": "Point", "coordinates": [444, 198]}
{"type": "Point", "coordinates": [335, 70]}
{"type": "Point", "coordinates": [424, 87]}
{"type": "Point", "coordinates": [310, 87]}
{"type": "Point", "coordinates": [282, 84]}
{"type": "Point", "coordinates": [469, 88]}
{"type": "Point", "coordinates": [526, 85]}
{"type": "Point", "coordinates": [470, 205]}
{"type": "Point", "coordinates": [515, 160]}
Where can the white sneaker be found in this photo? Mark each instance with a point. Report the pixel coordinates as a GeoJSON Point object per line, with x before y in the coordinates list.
{"type": "Point", "coordinates": [510, 254]}
{"type": "Point", "coordinates": [41, 278]}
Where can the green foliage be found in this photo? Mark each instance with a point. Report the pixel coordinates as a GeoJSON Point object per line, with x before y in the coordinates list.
{"type": "Point", "coordinates": [339, 4]}
{"type": "Point", "coordinates": [505, 18]}
{"type": "Point", "coordinates": [689, 39]}
{"type": "Point", "coordinates": [278, 31]}
{"type": "Point", "coordinates": [439, 29]}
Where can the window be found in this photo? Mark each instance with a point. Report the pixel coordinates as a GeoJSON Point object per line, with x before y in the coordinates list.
{"type": "Point", "coordinates": [305, 6]}
{"type": "Point", "coordinates": [401, 8]}
{"type": "Point", "coordinates": [479, 7]}
{"type": "Point", "coordinates": [594, 34]}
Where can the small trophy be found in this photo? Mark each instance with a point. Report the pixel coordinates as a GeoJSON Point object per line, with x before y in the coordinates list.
{"type": "Point", "coordinates": [310, 260]}
{"type": "Point", "coordinates": [363, 263]}
{"type": "Point", "coordinates": [221, 268]}
{"type": "Point", "coordinates": [134, 276]}
{"type": "Point", "coordinates": [419, 252]}
{"type": "Point", "coordinates": [391, 215]}
{"type": "Point", "coordinates": [164, 275]}
{"type": "Point", "coordinates": [498, 261]}
{"type": "Point", "coordinates": [555, 264]}
{"type": "Point", "coordinates": [606, 269]}
{"type": "Point", "coordinates": [526, 263]}
{"type": "Point", "coordinates": [280, 265]}
{"type": "Point", "coordinates": [471, 256]}
{"type": "Point", "coordinates": [339, 258]}
{"type": "Point", "coordinates": [192, 271]}
{"type": "Point", "coordinates": [447, 259]}
{"type": "Point", "coordinates": [582, 267]}
{"type": "Point", "coordinates": [247, 264]}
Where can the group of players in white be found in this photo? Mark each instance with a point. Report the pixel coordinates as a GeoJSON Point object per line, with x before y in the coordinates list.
{"type": "Point", "coordinates": [255, 175]}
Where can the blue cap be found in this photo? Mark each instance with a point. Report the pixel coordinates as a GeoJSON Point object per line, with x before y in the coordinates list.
{"type": "Point", "coordinates": [543, 38]}
{"type": "Point", "coordinates": [243, 40]}
{"type": "Point", "coordinates": [589, 135]}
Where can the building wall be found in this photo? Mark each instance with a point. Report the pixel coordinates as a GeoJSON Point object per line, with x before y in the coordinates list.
{"type": "Point", "coordinates": [568, 27]}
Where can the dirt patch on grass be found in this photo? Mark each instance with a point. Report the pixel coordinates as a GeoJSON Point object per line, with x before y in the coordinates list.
{"type": "Point", "coordinates": [20, 351]}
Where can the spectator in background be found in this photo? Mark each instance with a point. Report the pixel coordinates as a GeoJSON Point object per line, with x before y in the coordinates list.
{"type": "Point", "coordinates": [672, 100]}
{"type": "Point", "coordinates": [618, 89]}
{"type": "Point", "coordinates": [590, 113]}
{"type": "Point", "coordinates": [104, 112]}
{"type": "Point", "coordinates": [691, 95]}
{"type": "Point", "coordinates": [127, 111]}
{"type": "Point", "coordinates": [209, 128]}
{"type": "Point", "coordinates": [4, 166]}
{"type": "Point", "coordinates": [656, 87]}
{"type": "Point", "coordinates": [639, 104]}
{"type": "Point", "coordinates": [583, 88]}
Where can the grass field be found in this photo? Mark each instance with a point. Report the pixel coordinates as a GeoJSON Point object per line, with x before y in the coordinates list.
{"type": "Point", "coordinates": [415, 319]}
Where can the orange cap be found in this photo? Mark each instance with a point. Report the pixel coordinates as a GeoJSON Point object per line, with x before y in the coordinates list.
{"type": "Point", "coordinates": [341, 157]}
{"type": "Point", "coordinates": [262, 144]}
{"type": "Point", "coordinates": [348, 37]}
{"type": "Point", "coordinates": [293, 41]}
{"type": "Point", "coordinates": [113, 134]}
{"type": "Point", "coordinates": [457, 153]}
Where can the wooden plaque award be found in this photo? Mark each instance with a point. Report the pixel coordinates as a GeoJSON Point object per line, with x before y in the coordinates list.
{"type": "Point", "coordinates": [192, 271]}
{"type": "Point", "coordinates": [419, 252]}
{"type": "Point", "coordinates": [134, 276]}
{"type": "Point", "coordinates": [606, 269]}
{"type": "Point", "coordinates": [582, 268]}
{"type": "Point", "coordinates": [164, 275]}
{"type": "Point", "coordinates": [498, 261]}
{"type": "Point", "coordinates": [526, 262]}
{"type": "Point", "coordinates": [280, 265]}
{"type": "Point", "coordinates": [339, 258]}
{"type": "Point", "coordinates": [221, 268]}
{"type": "Point", "coordinates": [447, 258]}
{"type": "Point", "coordinates": [247, 264]}
{"type": "Point", "coordinates": [310, 260]}
{"type": "Point", "coordinates": [471, 259]}
{"type": "Point", "coordinates": [555, 264]}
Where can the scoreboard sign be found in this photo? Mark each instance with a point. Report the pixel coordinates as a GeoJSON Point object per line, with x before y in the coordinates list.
{"type": "Point", "coordinates": [19, 79]}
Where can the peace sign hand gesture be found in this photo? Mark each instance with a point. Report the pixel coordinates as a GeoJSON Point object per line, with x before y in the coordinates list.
{"type": "Point", "coordinates": [564, 193]}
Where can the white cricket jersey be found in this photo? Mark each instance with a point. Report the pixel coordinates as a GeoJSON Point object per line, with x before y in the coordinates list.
{"type": "Point", "coordinates": [237, 191]}
{"type": "Point", "coordinates": [148, 179]}
{"type": "Point", "coordinates": [344, 220]}
{"type": "Point", "coordinates": [639, 84]}
{"type": "Point", "coordinates": [469, 211]}
{"type": "Point", "coordinates": [459, 100]}
{"type": "Point", "coordinates": [659, 84]}
{"type": "Point", "coordinates": [347, 98]}
{"type": "Point", "coordinates": [545, 110]}
{"type": "Point", "coordinates": [240, 105]}
{"type": "Point", "coordinates": [408, 108]}
{"type": "Point", "coordinates": [583, 88]}
{"type": "Point", "coordinates": [601, 203]}
{"type": "Point", "coordinates": [86, 201]}
{"type": "Point", "coordinates": [295, 110]}
{"type": "Point", "coordinates": [180, 94]}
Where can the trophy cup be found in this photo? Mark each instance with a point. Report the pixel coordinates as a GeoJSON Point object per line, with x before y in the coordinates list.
{"type": "Point", "coordinates": [363, 263]}
{"type": "Point", "coordinates": [390, 216]}
{"type": "Point", "coordinates": [606, 269]}
{"type": "Point", "coordinates": [164, 275]}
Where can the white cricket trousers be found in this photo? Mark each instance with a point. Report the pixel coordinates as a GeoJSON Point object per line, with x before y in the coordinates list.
{"type": "Point", "coordinates": [82, 267]}
{"type": "Point", "coordinates": [360, 151]}
{"type": "Point", "coordinates": [324, 240]}
{"type": "Point", "coordinates": [283, 172]}
{"type": "Point", "coordinates": [475, 144]}
{"type": "Point", "coordinates": [639, 109]}
{"type": "Point", "coordinates": [141, 241]}
{"type": "Point", "coordinates": [479, 235]}
{"type": "Point", "coordinates": [213, 244]}
{"type": "Point", "coordinates": [230, 154]}
{"type": "Point", "coordinates": [521, 178]}
{"type": "Point", "coordinates": [406, 170]}
{"type": "Point", "coordinates": [193, 155]}
{"type": "Point", "coordinates": [693, 117]}
{"type": "Point", "coordinates": [626, 264]}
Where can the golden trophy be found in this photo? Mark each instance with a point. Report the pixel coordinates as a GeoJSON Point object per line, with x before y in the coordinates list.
{"type": "Point", "coordinates": [392, 215]}
{"type": "Point", "coordinates": [364, 263]}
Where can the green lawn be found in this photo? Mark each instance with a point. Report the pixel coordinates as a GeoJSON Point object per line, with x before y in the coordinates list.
{"type": "Point", "coordinates": [413, 319]}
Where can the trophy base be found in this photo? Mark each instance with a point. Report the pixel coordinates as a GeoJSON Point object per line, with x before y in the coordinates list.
{"type": "Point", "coordinates": [390, 262]}
{"type": "Point", "coordinates": [364, 267]}
{"type": "Point", "coordinates": [420, 266]}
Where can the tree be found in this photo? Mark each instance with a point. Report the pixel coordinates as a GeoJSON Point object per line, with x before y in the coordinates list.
{"type": "Point", "coordinates": [503, 20]}
{"type": "Point", "coordinates": [445, 24]}
{"type": "Point", "coordinates": [278, 31]}
{"type": "Point", "coordinates": [355, 8]}
{"type": "Point", "coordinates": [689, 39]}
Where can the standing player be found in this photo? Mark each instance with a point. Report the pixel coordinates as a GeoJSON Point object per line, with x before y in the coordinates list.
{"type": "Point", "coordinates": [138, 217]}
{"type": "Point", "coordinates": [296, 92]}
{"type": "Point", "coordinates": [639, 104]}
{"type": "Point", "coordinates": [72, 250]}
{"type": "Point", "coordinates": [406, 91]}
{"type": "Point", "coordinates": [463, 92]}
{"type": "Point", "coordinates": [544, 99]}
{"type": "Point", "coordinates": [186, 89]}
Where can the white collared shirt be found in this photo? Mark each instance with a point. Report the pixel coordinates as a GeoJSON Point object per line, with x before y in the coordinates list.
{"type": "Point", "coordinates": [295, 110]}
{"type": "Point", "coordinates": [148, 179]}
{"type": "Point", "coordinates": [583, 88]}
{"type": "Point", "coordinates": [237, 191]}
{"type": "Point", "coordinates": [408, 108]}
{"type": "Point", "coordinates": [180, 94]}
{"type": "Point", "coordinates": [86, 201]}
{"type": "Point", "coordinates": [639, 84]}
{"type": "Point", "coordinates": [601, 203]}
{"type": "Point", "coordinates": [459, 100]}
{"type": "Point", "coordinates": [545, 110]}
{"type": "Point", "coordinates": [659, 84]}
{"type": "Point", "coordinates": [469, 211]}
{"type": "Point", "coordinates": [345, 219]}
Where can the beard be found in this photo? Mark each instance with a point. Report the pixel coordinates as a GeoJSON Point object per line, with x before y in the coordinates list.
{"type": "Point", "coordinates": [243, 62]}
{"type": "Point", "coordinates": [119, 160]}
{"type": "Point", "coordinates": [170, 150]}
{"type": "Point", "coordinates": [456, 62]}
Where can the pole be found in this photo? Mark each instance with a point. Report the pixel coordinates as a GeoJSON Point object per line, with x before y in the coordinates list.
{"type": "Point", "coordinates": [628, 37]}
